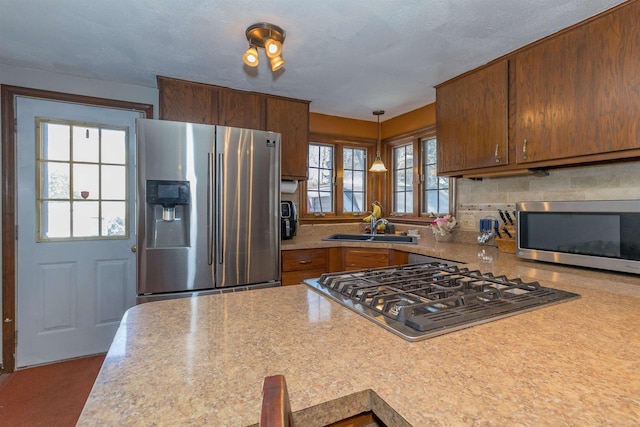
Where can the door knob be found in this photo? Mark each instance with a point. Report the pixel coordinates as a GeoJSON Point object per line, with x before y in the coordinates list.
{"type": "Point", "coordinates": [133, 248]}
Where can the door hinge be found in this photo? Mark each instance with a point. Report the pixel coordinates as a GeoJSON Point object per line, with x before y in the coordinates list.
{"type": "Point", "coordinates": [16, 231]}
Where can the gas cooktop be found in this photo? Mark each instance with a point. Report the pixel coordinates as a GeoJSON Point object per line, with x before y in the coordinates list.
{"type": "Point", "coordinates": [419, 301]}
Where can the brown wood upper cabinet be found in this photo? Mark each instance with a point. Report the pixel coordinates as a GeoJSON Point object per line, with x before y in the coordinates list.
{"type": "Point", "coordinates": [241, 109]}
{"type": "Point", "coordinates": [578, 94]}
{"type": "Point", "coordinates": [291, 119]}
{"type": "Point", "coordinates": [471, 120]}
{"type": "Point", "coordinates": [187, 101]}
{"type": "Point", "coordinates": [200, 103]}
{"type": "Point", "coordinates": [572, 98]}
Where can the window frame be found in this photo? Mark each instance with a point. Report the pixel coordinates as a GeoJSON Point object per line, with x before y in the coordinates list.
{"type": "Point", "coordinates": [424, 179]}
{"type": "Point", "coordinates": [415, 139]}
{"type": "Point", "coordinates": [40, 162]}
{"type": "Point", "coordinates": [338, 191]}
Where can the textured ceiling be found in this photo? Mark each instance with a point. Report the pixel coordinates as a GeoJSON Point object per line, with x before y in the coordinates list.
{"type": "Point", "coordinates": [347, 57]}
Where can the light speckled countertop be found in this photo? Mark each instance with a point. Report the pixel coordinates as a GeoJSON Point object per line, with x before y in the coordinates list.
{"type": "Point", "coordinates": [201, 361]}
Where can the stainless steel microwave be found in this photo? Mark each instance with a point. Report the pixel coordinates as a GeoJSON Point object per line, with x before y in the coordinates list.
{"type": "Point", "coordinates": [603, 234]}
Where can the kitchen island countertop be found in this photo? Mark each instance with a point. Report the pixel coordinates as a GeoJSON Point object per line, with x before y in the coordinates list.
{"type": "Point", "coordinates": [201, 361]}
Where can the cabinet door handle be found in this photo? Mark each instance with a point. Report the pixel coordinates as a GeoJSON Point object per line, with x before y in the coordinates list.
{"type": "Point", "coordinates": [497, 156]}
{"type": "Point", "coordinates": [524, 149]}
{"type": "Point", "coordinates": [308, 261]}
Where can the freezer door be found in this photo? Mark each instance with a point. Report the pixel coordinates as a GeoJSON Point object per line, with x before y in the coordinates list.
{"type": "Point", "coordinates": [173, 250]}
{"type": "Point", "coordinates": [247, 207]}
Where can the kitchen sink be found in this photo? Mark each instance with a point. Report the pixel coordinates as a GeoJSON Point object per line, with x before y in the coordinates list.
{"type": "Point", "coordinates": [380, 238]}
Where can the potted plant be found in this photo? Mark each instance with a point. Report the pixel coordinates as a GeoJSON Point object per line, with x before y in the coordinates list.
{"type": "Point", "coordinates": [442, 227]}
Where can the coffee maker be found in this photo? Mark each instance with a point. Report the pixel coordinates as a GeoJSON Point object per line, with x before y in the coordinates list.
{"type": "Point", "coordinates": [288, 220]}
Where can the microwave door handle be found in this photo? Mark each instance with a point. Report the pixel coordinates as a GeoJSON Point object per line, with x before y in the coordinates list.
{"type": "Point", "coordinates": [220, 213]}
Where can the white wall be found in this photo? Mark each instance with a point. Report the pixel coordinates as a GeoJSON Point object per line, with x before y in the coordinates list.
{"type": "Point", "coordinates": [37, 79]}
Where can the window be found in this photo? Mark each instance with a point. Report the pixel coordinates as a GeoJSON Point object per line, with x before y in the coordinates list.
{"type": "Point", "coordinates": [403, 179]}
{"type": "Point", "coordinates": [82, 185]}
{"type": "Point", "coordinates": [436, 189]}
{"type": "Point", "coordinates": [320, 181]}
{"type": "Point", "coordinates": [354, 179]}
{"type": "Point", "coordinates": [433, 193]}
{"type": "Point", "coordinates": [338, 179]}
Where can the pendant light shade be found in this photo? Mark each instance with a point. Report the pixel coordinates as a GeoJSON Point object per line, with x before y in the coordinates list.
{"type": "Point", "coordinates": [250, 57]}
{"type": "Point", "coordinates": [276, 63]}
{"type": "Point", "coordinates": [378, 165]}
{"type": "Point", "coordinates": [273, 48]}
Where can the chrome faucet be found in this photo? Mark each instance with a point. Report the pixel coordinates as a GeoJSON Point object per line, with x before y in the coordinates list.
{"type": "Point", "coordinates": [375, 222]}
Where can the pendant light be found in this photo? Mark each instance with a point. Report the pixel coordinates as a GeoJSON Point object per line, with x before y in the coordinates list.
{"type": "Point", "coordinates": [378, 165]}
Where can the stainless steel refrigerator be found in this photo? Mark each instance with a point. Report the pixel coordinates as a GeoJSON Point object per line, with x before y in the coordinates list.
{"type": "Point", "coordinates": [208, 207]}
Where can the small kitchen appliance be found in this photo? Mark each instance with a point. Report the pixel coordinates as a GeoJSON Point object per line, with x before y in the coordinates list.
{"type": "Point", "coordinates": [419, 301]}
{"type": "Point", "coordinates": [601, 234]}
{"type": "Point", "coordinates": [288, 220]}
{"type": "Point", "coordinates": [208, 209]}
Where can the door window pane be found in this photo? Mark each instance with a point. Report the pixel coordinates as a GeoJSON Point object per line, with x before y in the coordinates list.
{"type": "Point", "coordinates": [55, 180]}
{"type": "Point", "coordinates": [57, 144]}
{"type": "Point", "coordinates": [114, 182]}
{"type": "Point", "coordinates": [55, 218]}
{"type": "Point", "coordinates": [114, 146]}
{"type": "Point", "coordinates": [83, 181]}
{"type": "Point", "coordinates": [86, 144]}
{"type": "Point", "coordinates": [113, 218]}
{"type": "Point", "coordinates": [86, 181]}
{"type": "Point", "coordinates": [85, 219]}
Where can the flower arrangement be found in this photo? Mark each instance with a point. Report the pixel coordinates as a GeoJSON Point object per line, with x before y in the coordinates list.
{"type": "Point", "coordinates": [443, 225]}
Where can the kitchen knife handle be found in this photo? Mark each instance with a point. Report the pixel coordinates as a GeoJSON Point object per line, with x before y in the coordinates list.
{"type": "Point", "coordinates": [220, 215]}
{"type": "Point", "coordinates": [209, 209]}
{"type": "Point", "coordinates": [508, 217]}
{"type": "Point", "coordinates": [504, 220]}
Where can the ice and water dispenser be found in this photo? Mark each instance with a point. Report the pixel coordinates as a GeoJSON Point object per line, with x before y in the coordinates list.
{"type": "Point", "coordinates": [168, 206]}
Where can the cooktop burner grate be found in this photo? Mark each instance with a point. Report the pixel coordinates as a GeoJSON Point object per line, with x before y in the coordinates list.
{"type": "Point", "coordinates": [418, 301]}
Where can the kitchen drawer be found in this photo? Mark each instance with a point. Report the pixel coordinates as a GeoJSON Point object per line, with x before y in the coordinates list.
{"type": "Point", "coordinates": [357, 259]}
{"type": "Point", "coordinates": [305, 259]}
{"type": "Point", "coordinates": [295, 277]}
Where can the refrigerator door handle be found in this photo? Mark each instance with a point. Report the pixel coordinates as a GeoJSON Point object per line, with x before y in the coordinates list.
{"type": "Point", "coordinates": [220, 208]}
{"type": "Point", "coordinates": [209, 209]}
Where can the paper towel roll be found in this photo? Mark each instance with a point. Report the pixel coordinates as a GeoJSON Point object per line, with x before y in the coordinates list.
{"type": "Point", "coordinates": [288, 187]}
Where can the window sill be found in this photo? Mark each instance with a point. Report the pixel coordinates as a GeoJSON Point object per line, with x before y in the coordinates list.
{"type": "Point", "coordinates": [344, 219]}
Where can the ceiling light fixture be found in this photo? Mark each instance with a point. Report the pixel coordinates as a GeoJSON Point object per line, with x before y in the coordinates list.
{"type": "Point", "coordinates": [269, 37]}
{"type": "Point", "coordinates": [378, 165]}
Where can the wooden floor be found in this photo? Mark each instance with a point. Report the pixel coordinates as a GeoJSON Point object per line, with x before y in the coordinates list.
{"type": "Point", "coordinates": [50, 395]}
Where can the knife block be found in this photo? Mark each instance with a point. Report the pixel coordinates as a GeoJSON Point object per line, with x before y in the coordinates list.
{"type": "Point", "coordinates": [507, 244]}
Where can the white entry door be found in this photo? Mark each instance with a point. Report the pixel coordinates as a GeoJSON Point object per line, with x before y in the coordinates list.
{"type": "Point", "coordinates": [76, 271]}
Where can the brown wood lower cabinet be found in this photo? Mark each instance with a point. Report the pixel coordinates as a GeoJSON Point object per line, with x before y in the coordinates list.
{"type": "Point", "coordinates": [301, 264]}
{"type": "Point", "coordinates": [359, 258]}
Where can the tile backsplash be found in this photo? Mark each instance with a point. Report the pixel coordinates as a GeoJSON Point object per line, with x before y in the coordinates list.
{"type": "Point", "coordinates": [477, 199]}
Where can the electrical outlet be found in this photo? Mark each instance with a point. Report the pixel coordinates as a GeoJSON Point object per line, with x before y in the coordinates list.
{"type": "Point", "coordinates": [468, 221]}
